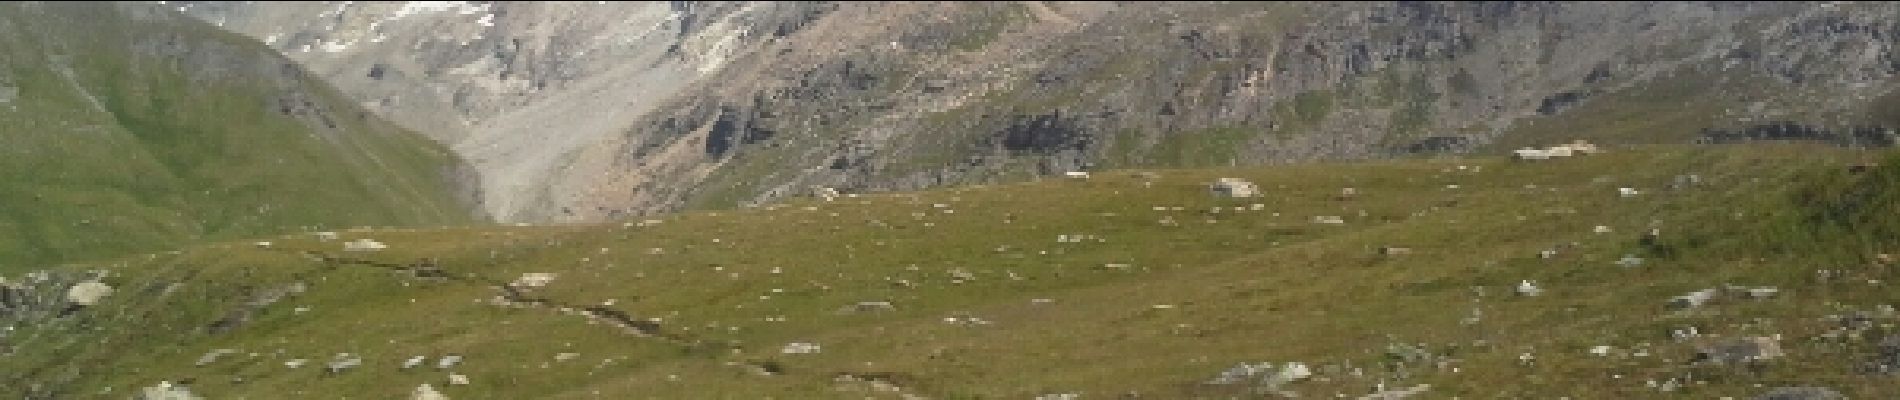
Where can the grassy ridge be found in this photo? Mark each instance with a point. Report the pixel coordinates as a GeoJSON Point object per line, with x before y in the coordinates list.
{"type": "Point", "coordinates": [729, 288]}
{"type": "Point", "coordinates": [134, 133]}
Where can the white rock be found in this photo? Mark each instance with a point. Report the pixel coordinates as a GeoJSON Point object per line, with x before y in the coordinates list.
{"type": "Point", "coordinates": [533, 279]}
{"type": "Point", "coordinates": [1600, 350]}
{"type": "Point", "coordinates": [800, 348]}
{"type": "Point", "coordinates": [88, 293]}
{"type": "Point", "coordinates": [458, 379]}
{"type": "Point", "coordinates": [427, 392]}
{"type": "Point", "coordinates": [448, 361]}
{"type": "Point", "coordinates": [364, 244]}
{"type": "Point", "coordinates": [1528, 288]}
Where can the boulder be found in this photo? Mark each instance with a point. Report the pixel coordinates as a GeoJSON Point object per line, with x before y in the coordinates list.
{"type": "Point", "coordinates": [427, 392]}
{"type": "Point", "coordinates": [88, 293]}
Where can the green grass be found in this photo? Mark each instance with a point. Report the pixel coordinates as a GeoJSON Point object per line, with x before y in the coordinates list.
{"type": "Point", "coordinates": [140, 151]}
{"type": "Point", "coordinates": [1265, 285]}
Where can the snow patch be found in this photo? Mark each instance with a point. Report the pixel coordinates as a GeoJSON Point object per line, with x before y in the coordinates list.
{"type": "Point", "coordinates": [460, 7]}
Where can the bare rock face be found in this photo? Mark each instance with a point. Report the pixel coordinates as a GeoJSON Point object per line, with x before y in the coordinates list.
{"type": "Point", "coordinates": [584, 111]}
{"type": "Point", "coordinates": [515, 87]}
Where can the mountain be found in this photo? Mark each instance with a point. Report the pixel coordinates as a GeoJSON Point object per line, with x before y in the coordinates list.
{"type": "Point", "coordinates": [1647, 272]}
{"type": "Point", "coordinates": [131, 128]}
{"type": "Point", "coordinates": [579, 111]}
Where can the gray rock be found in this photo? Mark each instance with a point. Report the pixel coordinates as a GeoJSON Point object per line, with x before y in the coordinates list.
{"type": "Point", "coordinates": [1739, 350]}
{"type": "Point", "coordinates": [1801, 393]}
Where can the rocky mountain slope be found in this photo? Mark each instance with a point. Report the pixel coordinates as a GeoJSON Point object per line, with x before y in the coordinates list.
{"type": "Point", "coordinates": [582, 111]}
{"type": "Point", "coordinates": [1652, 272]}
{"type": "Point", "coordinates": [131, 128]}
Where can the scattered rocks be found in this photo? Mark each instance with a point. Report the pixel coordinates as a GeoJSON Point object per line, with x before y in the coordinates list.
{"type": "Point", "coordinates": [1739, 350]}
{"type": "Point", "coordinates": [1262, 375]}
{"type": "Point", "coordinates": [413, 362]}
{"type": "Point", "coordinates": [458, 379]}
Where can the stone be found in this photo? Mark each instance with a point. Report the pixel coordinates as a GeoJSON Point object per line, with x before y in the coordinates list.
{"type": "Point", "coordinates": [1745, 349]}
{"type": "Point", "coordinates": [167, 391]}
{"type": "Point", "coordinates": [1528, 288]}
{"type": "Point", "coordinates": [1801, 393]}
{"type": "Point", "coordinates": [364, 244]}
{"type": "Point", "coordinates": [1234, 188]}
{"type": "Point", "coordinates": [1630, 261]}
{"type": "Point", "coordinates": [867, 306]}
{"type": "Point", "coordinates": [343, 362]}
{"type": "Point", "coordinates": [212, 356]}
{"type": "Point", "coordinates": [88, 293]}
{"type": "Point", "coordinates": [1692, 300]}
{"type": "Point", "coordinates": [448, 361]}
{"type": "Point", "coordinates": [1398, 394]}
{"type": "Point", "coordinates": [427, 392]}
{"type": "Point", "coordinates": [458, 379]}
{"type": "Point", "coordinates": [533, 279]}
{"type": "Point", "coordinates": [800, 348]}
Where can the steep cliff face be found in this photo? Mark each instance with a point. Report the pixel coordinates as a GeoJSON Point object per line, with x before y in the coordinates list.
{"type": "Point", "coordinates": [735, 104]}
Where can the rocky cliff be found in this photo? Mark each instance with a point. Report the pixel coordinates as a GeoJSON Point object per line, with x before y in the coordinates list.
{"type": "Point", "coordinates": [581, 111]}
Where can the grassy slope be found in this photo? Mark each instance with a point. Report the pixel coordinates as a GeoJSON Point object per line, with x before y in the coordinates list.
{"type": "Point", "coordinates": [138, 152]}
{"type": "Point", "coordinates": [1251, 286]}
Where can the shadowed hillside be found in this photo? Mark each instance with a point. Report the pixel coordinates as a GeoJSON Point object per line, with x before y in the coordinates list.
{"type": "Point", "coordinates": [129, 128]}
